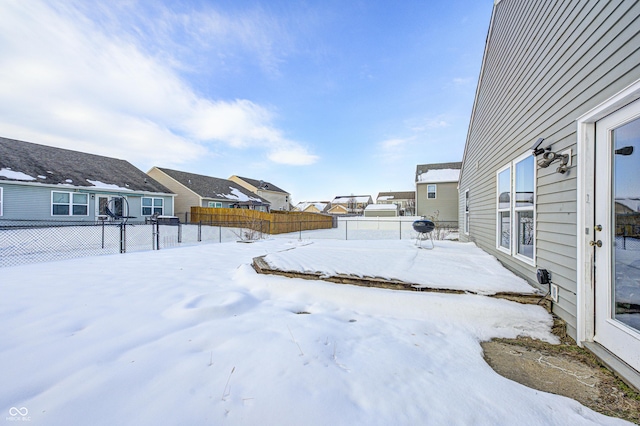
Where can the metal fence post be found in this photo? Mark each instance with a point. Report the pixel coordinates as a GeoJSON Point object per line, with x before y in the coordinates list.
{"type": "Point", "coordinates": [200, 231]}
{"type": "Point", "coordinates": [346, 229]}
{"type": "Point", "coordinates": [157, 235]}
{"type": "Point", "coordinates": [103, 234]}
{"type": "Point", "coordinates": [123, 238]}
{"type": "Point", "coordinates": [179, 233]}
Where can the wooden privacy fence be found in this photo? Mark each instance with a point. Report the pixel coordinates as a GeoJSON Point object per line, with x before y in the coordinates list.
{"type": "Point", "coordinates": [276, 222]}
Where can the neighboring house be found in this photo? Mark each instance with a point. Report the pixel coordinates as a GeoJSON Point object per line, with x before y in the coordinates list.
{"type": "Point", "coordinates": [405, 200]}
{"type": "Point", "coordinates": [312, 206]}
{"type": "Point", "coordinates": [563, 78]}
{"type": "Point", "coordinates": [337, 209]}
{"type": "Point", "coordinates": [354, 204]}
{"type": "Point", "coordinates": [39, 182]}
{"type": "Point", "coordinates": [277, 197]}
{"type": "Point", "coordinates": [437, 191]}
{"type": "Point", "coordinates": [381, 210]}
{"type": "Point", "coordinates": [195, 190]}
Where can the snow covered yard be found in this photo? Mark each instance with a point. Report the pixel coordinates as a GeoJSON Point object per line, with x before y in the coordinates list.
{"type": "Point", "coordinates": [194, 336]}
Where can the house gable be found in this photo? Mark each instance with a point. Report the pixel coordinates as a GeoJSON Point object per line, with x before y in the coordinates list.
{"type": "Point", "coordinates": [278, 197]}
{"type": "Point", "coordinates": [198, 190]}
{"type": "Point", "coordinates": [254, 184]}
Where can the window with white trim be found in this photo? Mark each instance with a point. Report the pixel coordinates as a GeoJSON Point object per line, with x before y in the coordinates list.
{"type": "Point", "coordinates": [466, 212]}
{"type": "Point", "coordinates": [1, 203]}
{"type": "Point", "coordinates": [431, 191]}
{"type": "Point", "coordinates": [152, 206]}
{"type": "Point", "coordinates": [69, 204]}
{"type": "Point", "coordinates": [515, 225]}
{"type": "Point", "coordinates": [215, 204]}
{"type": "Point", "coordinates": [504, 209]}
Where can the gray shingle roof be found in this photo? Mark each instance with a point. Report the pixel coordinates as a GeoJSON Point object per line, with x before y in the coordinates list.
{"type": "Point", "coordinates": [261, 184]}
{"type": "Point", "coordinates": [423, 168]}
{"type": "Point", "coordinates": [57, 166]}
{"type": "Point", "coordinates": [398, 194]}
{"type": "Point", "coordinates": [211, 187]}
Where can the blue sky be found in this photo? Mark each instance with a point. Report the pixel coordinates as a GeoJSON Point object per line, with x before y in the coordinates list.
{"type": "Point", "coordinates": [322, 98]}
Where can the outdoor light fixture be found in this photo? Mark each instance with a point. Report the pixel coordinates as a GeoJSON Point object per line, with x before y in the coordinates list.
{"type": "Point", "coordinates": [549, 156]}
{"type": "Point", "coordinates": [536, 147]}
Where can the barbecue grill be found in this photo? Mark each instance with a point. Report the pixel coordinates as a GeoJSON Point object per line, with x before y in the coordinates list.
{"type": "Point", "coordinates": [424, 228]}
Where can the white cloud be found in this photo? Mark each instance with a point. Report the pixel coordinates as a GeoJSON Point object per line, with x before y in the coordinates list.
{"type": "Point", "coordinates": [463, 81]}
{"type": "Point", "coordinates": [393, 150]}
{"type": "Point", "coordinates": [292, 155]}
{"type": "Point", "coordinates": [68, 82]}
{"type": "Point", "coordinates": [394, 143]}
{"type": "Point", "coordinates": [429, 123]}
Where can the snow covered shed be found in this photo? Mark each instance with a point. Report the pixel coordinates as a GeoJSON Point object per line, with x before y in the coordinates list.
{"type": "Point", "coordinates": [381, 210]}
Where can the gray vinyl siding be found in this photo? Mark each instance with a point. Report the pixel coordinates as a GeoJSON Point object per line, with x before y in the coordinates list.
{"type": "Point", "coordinates": [225, 203]}
{"type": "Point", "coordinates": [32, 202]}
{"type": "Point", "coordinates": [546, 63]}
{"type": "Point", "coordinates": [26, 202]}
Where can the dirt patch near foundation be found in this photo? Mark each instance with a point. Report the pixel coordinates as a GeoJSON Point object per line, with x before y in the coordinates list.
{"type": "Point", "coordinates": [566, 370]}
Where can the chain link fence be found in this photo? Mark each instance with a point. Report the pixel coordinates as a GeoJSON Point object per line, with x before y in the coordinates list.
{"type": "Point", "coordinates": [624, 242]}
{"type": "Point", "coordinates": [23, 242]}
{"type": "Point", "coordinates": [361, 228]}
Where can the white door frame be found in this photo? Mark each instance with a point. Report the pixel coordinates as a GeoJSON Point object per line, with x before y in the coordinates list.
{"type": "Point", "coordinates": [109, 197]}
{"type": "Point", "coordinates": [620, 338]}
{"type": "Point", "coordinates": [585, 216]}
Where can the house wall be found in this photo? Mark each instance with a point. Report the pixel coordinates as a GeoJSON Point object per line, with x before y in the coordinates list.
{"type": "Point", "coordinates": [445, 203]}
{"type": "Point", "coordinates": [135, 205]}
{"type": "Point", "coordinates": [278, 200]}
{"type": "Point", "coordinates": [545, 64]}
{"type": "Point", "coordinates": [380, 213]}
{"type": "Point", "coordinates": [23, 202]}
{"type": "Point", "coordinates": [402, 203]}
{"type": "Point", "coordinates": [225, 203]}
{"type": "Point", "coordinates": [185, 198]}
{"type": "Point", "coordinates": [33, 202]}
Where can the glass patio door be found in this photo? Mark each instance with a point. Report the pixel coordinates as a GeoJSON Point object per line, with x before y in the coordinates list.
{"type": "Point", "coordinates": [617, 234]}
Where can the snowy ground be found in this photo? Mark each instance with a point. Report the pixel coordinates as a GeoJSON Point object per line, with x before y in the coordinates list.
{"type": "Point", "coordinates": [194, 336]}
{"type": "Point", "coordinates": [423, 267]}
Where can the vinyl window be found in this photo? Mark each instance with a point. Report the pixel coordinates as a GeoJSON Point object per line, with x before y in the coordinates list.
{"type": "Point", "coordinates": [515, 222]}
{"type": "Point", "coordinates": [69, 204]}
{"type": "Point", "coordinates": [152, 206]}
{"type": "Point", "coordinates": [504, 209]}
{"type": "Point", "coordinates": [431, 191]}
{"type": "Point", "coordinates": [215, 204]}
{"type": "Point", "coordinates": [466, 212]}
